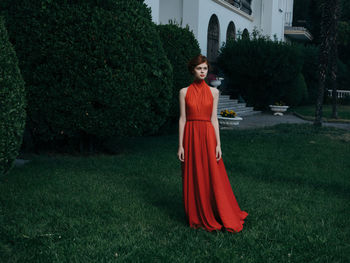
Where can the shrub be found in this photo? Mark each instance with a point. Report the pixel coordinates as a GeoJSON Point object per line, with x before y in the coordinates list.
{"type": "Point", "coordinates": [12, 103]}
{"type": "Point", "coordinates": [92, 68]}
{"type": "Point", "coordinates": [261, 69]}
{"type": "Point", "coordinates": [345, 100]}
{"type": "Point", "coordinates": [310, 72]}
{"type": "Point", "coordinates": [296, 92]}
{"type": "Point", "coordinates": [343, 77]}
{"type": "Point", "coordinates": [180, 46]}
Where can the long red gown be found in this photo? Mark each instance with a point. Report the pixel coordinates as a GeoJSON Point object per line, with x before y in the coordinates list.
{"type": "Point", "coordinates": [208, 198]}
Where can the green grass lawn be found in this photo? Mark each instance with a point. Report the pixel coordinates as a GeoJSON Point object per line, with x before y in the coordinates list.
{"type": "Point", "coordinates": [293, 180]}
{"type": "Point", "coordinates": [309, 112]}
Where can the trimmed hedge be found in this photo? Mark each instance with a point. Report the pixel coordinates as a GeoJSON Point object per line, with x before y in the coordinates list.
{"type": "Point", "coordinates": [12, 103]}
{"type": "Point", "coordinates": [93, 68]}
{"type": "Point", "coordinates": [180, 46]}
{"type": "Point", "coordinates": [262, 70]}
{"type": "Point", "coordinates": [310, 72]}
{"type": "Point", "coordinates": [296, 91]}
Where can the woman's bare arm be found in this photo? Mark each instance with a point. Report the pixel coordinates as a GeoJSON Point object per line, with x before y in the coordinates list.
{"type": "Point", "coordinates": [215, 122]}
{"type": "Point", "coordinates": [182, 121]}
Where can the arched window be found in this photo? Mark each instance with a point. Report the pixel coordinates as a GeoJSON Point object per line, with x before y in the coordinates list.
{"type": "Point", "coordinates": [213, 39]}
{"type": "Point", "coordinates": [231, 31]}
{"type": "Point", "coordinates": [245, 34]}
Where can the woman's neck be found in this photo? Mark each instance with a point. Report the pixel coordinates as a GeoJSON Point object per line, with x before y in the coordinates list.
{"type": "Point", "coordinates": [198, 81]}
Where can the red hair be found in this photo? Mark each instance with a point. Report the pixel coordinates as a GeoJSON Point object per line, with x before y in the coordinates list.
{"type": "Point", "coordinates": [195, 61]}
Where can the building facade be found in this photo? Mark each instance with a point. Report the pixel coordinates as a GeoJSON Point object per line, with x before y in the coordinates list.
{"type": "Point", "coordinates": [214, 21]}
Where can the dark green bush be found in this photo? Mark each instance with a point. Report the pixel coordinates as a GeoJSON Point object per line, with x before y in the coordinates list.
{"type": "Point", "coordinates": [261, 69]}
{"type": "Point", "coordinates": [310, 72]}
{"type": "Point", "coordinates": [92, 67]}
{"type": "Point", "coordinates": [180, 46]}
{"type": "Point", "coordinates": [343, 77]}
{"type": "Point", "coordinates": [345, 100]}
{"type": "Point", "coordinates": [296, 92]}
{"type": "Point", "coordinates": [12, 103]}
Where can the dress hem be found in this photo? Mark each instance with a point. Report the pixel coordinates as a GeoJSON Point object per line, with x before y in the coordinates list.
{"type": "Point", "coordinates": [228, 229]}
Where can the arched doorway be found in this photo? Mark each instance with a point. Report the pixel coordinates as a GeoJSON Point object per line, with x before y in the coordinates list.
{"type": "Point", "coordinates": [231, 31]}
{"type": "Point", "coordinates": [213, 39]}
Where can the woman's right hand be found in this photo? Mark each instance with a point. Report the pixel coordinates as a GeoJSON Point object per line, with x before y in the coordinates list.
{"type": "Point", "coordinates": [181, 154]}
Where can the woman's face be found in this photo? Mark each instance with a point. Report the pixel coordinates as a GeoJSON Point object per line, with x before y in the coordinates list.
{"type": "Point", "coordinates": [201, 71]}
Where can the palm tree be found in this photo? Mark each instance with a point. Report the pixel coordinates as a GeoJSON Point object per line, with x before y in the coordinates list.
{"type": "Point", "coordinates": [328, 38]}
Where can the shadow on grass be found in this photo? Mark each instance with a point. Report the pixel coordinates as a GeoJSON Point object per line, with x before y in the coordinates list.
{"type": "Point", "coordinates": [165, 194]}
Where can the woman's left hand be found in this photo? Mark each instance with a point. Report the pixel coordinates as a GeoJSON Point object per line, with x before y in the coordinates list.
{"type": "Point", "coordinates": [218, 153]}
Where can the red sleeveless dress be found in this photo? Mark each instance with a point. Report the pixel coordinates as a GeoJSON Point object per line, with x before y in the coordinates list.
{"type": "Point", "coordinates": [209, 201]}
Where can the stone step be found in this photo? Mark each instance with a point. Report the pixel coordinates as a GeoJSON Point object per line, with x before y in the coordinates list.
{"type": "Point", "coordinates": [227, 100]}
{"type": "Point", "coordinates": [246, 113]}
{"type": "Point", "coordinates": [232, 106]}
{"type": "Point", "coordinates": [229, 103]}
{"type": "Point", "coordinates": [225, 103]}
{"type": "Point", "coordinates": [225, 97]}
{"type": "Point", "coordinates": [240, 109]}
{"type": "Point", "coordinates": [235, 108]}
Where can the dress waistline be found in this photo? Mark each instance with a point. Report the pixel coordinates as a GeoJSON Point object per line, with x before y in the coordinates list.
{"type": "Point", "coordinates": [196, 120]}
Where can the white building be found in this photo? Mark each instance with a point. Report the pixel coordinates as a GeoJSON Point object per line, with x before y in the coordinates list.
{"type": "Point", "coordinates": [213, 21]}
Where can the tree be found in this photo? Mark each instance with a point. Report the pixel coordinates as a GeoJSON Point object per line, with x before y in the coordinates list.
{"type": "Point", "coordinates": [93, 69]}
{"type": "Point", "coordinates": [12, 103]}
{"type": "Point", "coordinates": [333, 59]}
{"type": "Point", "coordinates": [328, 37]}
{"type": "Point", "coordinates": [180, 46]}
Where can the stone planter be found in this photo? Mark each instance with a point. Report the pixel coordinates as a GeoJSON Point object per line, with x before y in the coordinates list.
{"type": "Point", "coordinates": [278, 110]}
{"type": "Point", "coordinates": [216, 82]}
{"type": "Point", "coordinates": [229, 122]}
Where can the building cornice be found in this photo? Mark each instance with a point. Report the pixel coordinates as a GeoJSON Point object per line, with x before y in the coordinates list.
{"type": "Point", "coordinates": [234, 9]}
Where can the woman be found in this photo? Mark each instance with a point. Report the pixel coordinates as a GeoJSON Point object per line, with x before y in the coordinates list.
{"type": "Point", "coordinates": [209, 201]}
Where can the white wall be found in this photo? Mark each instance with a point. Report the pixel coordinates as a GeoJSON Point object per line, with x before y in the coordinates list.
{"type": "Point", "coordinates": [256, 13]}
{"type": "Point", "coordinates": [277, 20]}
{"type": "Point", "coordinates": [268, 16]}
{"type": "Point", "coordinates": [170, 9]}
{"type": "Point", "coordinates": [191, 15]}
{"type": "Point", "coordinates": [225, 16]}
{"type": "Point", "coordinates": [154, 5]}
{"type": "Point", "coordinates": [273, 18]}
